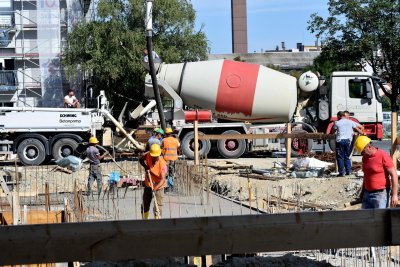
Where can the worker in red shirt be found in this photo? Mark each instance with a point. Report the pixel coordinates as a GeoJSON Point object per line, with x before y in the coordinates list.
{"type": "Point", "coordinates": [170, 146]}
{"type": "Point", "coordinates": [380, 176]}
{"type": "Point", "coordinates": [157, 167]}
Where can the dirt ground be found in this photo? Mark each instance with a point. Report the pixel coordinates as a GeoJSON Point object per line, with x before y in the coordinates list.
{"type": "Point", "coordinates": [326, 192]}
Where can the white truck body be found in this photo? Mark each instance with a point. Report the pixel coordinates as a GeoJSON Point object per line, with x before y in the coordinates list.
{"type": "Point", "coordinates": [24, 120]}
{"type": "Point", "coordinates": [39, 133]}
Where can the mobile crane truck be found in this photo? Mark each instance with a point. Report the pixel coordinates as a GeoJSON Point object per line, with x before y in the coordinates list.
{"type": "Point", "coordinates": [246, 98]}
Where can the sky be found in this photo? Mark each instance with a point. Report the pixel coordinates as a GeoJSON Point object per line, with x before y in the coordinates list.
{"type": "Point", "coordinates": [269, 22]}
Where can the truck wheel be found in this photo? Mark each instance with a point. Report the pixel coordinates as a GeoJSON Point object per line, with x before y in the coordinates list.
{"type": "Point", "coordinates": [187, 145]}
{"type": "Point", "coordinates": [231, 148]}
{"type": "Point", "coordinates": [332, 144]}
{"type": "Point", "coordinates": [31, 152]}
{"type": "Point", "coordinates": [301, 146]}
{"type": "Point", "coordinates": [63, 148]}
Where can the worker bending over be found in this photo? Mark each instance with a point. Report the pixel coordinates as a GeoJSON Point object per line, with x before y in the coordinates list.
{"type": "Point", "coordinates": [94, 157]}
{"type": "Point", "coordinates": [380, 184]}
{"type": "Point", "coordinates": [170, 146]}
{"type": "Point", "coordinates": [155, 180]}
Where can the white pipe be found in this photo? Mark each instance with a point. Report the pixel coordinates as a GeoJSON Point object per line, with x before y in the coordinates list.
{"type": "Point", "coordinates": [149, 16]}
{"type": "Point", "coordinates": [138, 145]}
{"type": "Point", "coordinates": [149, 106]}
{"type": "Point", "coordinates": [25, 214]}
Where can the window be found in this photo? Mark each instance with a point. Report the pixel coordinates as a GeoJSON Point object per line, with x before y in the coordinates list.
{"type": "Point", "coordinates": [358, 88]}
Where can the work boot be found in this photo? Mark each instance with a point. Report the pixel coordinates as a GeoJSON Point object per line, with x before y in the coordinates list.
{"type": "Point", "coordinates": [145, 215]}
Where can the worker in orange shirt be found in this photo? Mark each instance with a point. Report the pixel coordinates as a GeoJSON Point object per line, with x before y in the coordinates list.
{"type": "Point", "coordinates": [155, 183]}
{"type": "Point", "coordinates": [170, 146]}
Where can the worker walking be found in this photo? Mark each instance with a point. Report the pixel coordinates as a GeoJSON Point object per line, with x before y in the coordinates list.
{"type": "Point", "coordinates": [94, 157]}
{"type": "Point", "coordinates": [345, 130]}
{"type": "Point", "coordinates": [156, 138]}
{"type": "Point", "coordinates": [380, 184]}
{"type": "Point", "coordinates": [170, 145]}
{"type": "Point", "coordinates": [155, 181]}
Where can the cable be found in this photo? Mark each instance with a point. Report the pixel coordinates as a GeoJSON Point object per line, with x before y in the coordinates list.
{"type": "Point", "coordinates": [118, 94]}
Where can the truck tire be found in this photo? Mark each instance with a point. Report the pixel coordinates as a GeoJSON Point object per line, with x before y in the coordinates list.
{"type": "Point", "coordinates": [332, 144]}
{"type": "Point", "coordinates": [31, 152]}
{"type": "Point", "coordinates": [231, 148]}
{"type": "Point", "coordinates": [187, 145]}
{"type": "Point", "coordinates": [63, 148]}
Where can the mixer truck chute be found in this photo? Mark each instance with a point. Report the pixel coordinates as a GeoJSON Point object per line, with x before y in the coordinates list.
{"type": "Point", "coordinates": [249, 98]}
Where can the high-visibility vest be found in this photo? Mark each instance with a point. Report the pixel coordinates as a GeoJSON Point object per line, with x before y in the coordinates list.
{"type": "Point", "coordinates": [170, 148]}
{"type": "Point", "coordinates": [155, 171]}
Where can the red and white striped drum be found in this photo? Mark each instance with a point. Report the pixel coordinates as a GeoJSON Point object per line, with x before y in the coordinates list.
{"type": "Point", "coordinates": [234, 90]}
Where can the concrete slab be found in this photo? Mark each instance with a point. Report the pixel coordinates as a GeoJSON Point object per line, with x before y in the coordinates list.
{"type": "Point", "coordinates": [115, 206]}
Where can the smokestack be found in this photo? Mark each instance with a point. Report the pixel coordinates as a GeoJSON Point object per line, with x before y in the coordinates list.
{"type": "Point", "coordinates": [300, 46]}
{"type": "Point", "coordinates": [239, 26]}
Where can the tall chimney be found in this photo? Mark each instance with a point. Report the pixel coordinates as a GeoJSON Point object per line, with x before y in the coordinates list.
{"type": "Point", "coordinates": [239, 26]}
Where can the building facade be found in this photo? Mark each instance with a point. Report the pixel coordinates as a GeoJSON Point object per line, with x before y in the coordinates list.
{"type": "Point", "coordinates": [32, 40]}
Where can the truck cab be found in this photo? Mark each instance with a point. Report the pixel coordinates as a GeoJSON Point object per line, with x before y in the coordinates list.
{"type": "Point", "coordinates": [358, 92]}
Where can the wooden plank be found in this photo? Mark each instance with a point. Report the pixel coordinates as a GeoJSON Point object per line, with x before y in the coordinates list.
{"type": "Point", "coordinates": [393, 139]}
{"type": "Point", "coordinates": [35, 217]}
{"type": "Point", "coordinates": [319, 136]}
{"type": "Point", "coordinates": [16, 209]}
{"type": "Point", "coordinates": [196, 141]}
{"type": "Point", "coordinates": [6, 191]}
{"type": "Point", "coordinates": [123, 240]}
{"type": "Point", "coordinates": [395, 220]}
{"type": "Point", "coordinates": [288, 145]}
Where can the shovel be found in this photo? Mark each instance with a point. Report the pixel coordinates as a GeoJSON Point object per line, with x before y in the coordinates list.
{"type": "Point", "coordinates": [154, 195]}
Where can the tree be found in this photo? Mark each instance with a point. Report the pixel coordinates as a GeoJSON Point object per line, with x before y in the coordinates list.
{"type": "Point", "coordinates": [111, 46]}
{"type": "Point", "coordinates": [364, 32]}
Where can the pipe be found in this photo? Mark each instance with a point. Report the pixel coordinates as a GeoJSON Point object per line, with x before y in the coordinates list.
{"type": "Point", "coordinates": [149, 34]}
{"type": "Point", "coordinates": [135, 143]}
{"type": "Point", "coordinates": [149, 106]}
{"type": "Point", "coordinates": [113, 159]}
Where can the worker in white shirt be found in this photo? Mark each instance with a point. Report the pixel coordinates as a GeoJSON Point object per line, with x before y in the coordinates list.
{"type": "Point", "coordinates": [70, 100]}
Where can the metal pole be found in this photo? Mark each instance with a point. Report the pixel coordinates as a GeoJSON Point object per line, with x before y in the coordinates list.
{"type": "Point", "coordinates": [149, 35]}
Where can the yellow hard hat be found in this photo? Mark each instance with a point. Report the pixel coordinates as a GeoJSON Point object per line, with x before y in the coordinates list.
{"type": "Point", "coordinates": [361, 142]}
{"type": "Point", "coordinates": [93, 140]}
{"type": "Point", "coordinates": [155, 150]}
{"type": "Point", "coordinates": [168, 130]}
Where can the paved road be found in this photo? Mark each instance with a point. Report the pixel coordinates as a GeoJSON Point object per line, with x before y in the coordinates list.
{"type": "Point", "coordinates": [384, 144]}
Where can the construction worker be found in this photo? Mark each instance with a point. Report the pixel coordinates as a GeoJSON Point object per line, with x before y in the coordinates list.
{"type": "Point", "coordinates": [94, 156]}
{"type": "Point", "coordinates": [170, 146]}
{"type": "Point", "coordinates": [70, 100]}
{"type": "Point", "coordinates": [156, 138]}
{"type": "Point", "coordinates": [344, 129]}
{"type": "Point", "coordinates": [380, 176]}
{"type": "Point", "coordinates": [155, 180]}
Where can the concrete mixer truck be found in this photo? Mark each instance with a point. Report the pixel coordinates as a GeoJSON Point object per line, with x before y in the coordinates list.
{"type": "Point", "coordinates": [249, 98]}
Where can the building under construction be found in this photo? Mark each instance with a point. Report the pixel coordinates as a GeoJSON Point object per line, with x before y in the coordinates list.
{"type": "Point", "coordinates": [32, 40]}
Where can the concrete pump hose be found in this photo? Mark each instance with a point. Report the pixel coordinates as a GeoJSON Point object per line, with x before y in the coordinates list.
{"type": "Point", "coordinates": [135, 143]}
{"type": "Point", "coordinates": [113, 159]}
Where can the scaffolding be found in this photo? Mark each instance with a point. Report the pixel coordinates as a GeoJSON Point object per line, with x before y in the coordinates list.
{"type": "Point", "coordinates": [21, 74]}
